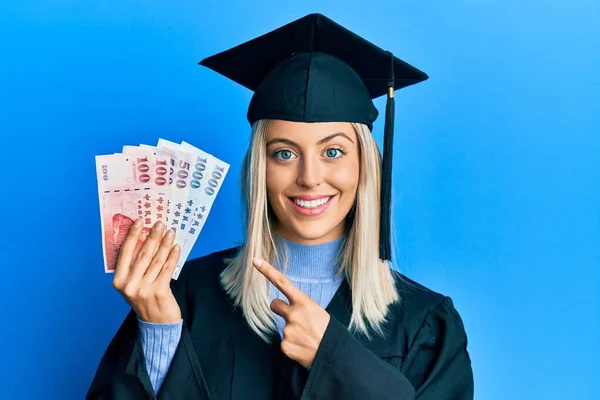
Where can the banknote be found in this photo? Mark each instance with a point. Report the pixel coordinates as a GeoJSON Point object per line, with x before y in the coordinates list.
{"type": "Point", "coordinates": [146, 163]}
{"type": "Point", "coordinates": [207, 177]}
{"type": "Point", "coordinates": [164, 179]}
{"type": "Point", "coordinates": [124, 193]}
{"type": "Point", "coordinates": [157, 162]}
{"type": "Point", "coordinates": [179, 181]}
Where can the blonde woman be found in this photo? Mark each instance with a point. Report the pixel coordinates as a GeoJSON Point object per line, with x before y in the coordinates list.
{"type": "Point", "coordinates": [308, 307]}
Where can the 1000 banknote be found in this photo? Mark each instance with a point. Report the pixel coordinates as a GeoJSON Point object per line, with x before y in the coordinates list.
{"type": "Point", "coordinates": [173, 183]}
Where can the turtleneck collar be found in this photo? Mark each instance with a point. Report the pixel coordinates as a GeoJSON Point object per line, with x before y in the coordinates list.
{"type": "Point", "coordinates": [310, 262]}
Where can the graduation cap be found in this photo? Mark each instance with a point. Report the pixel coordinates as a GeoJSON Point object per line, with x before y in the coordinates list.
{"type": "Point", "coordinates": [315, 70]}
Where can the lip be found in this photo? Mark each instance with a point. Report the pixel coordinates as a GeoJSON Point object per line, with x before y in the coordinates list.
{"type": "Point", "coordinates": [309, 212]}
{"type": "Point", "coordinates": [309, 197]}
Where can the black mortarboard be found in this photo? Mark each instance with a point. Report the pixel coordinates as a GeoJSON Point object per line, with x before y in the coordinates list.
{"type": "Point", "coordinates": [315, 70]}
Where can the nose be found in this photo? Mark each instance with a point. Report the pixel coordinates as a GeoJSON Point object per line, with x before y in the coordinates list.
{"type": "Point", "coordinates": [310, 174]}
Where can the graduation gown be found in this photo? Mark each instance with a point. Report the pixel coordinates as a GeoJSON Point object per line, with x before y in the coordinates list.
{"type": "Point", "coordinates": [423, 354]}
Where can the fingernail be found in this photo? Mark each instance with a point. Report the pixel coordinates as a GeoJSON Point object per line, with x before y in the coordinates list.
{"type": "Point", "coordinates": [177, 247]}
{"type": "Point", "coordinates": [257, 262]}
{"type": "Point", "coordinates": [137, 223]}
{"type": "Point", "coordinates": [170, 234]}
{"type": "Point", "coordinates": [158, 226]}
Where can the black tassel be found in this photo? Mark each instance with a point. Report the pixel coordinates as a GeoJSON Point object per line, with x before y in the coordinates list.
{"type": "Point", "coordinates": [385, 250]}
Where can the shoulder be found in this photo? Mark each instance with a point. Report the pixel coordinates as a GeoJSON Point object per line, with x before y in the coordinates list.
{"type": "Point", "coordinates": [422, 309]}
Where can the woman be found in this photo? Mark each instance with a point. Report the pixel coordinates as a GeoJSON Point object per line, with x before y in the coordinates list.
{"type": "Point", "coordinates": [307, 307]}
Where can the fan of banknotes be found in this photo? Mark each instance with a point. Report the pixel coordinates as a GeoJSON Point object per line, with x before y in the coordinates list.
{"type": "Point", "coordinates": [170, 182]}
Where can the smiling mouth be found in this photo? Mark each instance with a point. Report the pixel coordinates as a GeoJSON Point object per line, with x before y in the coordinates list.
{"type": "Point", "coordinates": [310, 204]}
{"type": "Point", "coordinates": [310, 207]}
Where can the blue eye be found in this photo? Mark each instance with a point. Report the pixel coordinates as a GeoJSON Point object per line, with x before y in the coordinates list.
{"type": "Point", "coordinates": [332, 153]}
{"type": "Point", "coordinates": [283, 154]}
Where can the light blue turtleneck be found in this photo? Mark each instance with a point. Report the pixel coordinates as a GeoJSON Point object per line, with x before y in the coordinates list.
{"type": "Point", "coordinates": [311, 268]}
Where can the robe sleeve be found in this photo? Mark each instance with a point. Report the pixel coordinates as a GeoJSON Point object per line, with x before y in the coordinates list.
{"type": "Point", "coordinates": [436, 366]}
{"type": "Point", "coordinates": [438, 362]}
{"type": "Point", "coordinates": [122, 372]}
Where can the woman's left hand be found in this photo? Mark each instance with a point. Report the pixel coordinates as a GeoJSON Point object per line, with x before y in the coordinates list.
{"type": "Point", "coordinates": [306, 321]}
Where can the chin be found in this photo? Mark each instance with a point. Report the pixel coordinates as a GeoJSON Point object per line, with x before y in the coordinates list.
{"type": "Point", "coordinates": [314, 232]}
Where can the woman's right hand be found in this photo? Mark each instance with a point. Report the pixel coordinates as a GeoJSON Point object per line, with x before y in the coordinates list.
{"type": "Point", "coordinates": [144, 278]}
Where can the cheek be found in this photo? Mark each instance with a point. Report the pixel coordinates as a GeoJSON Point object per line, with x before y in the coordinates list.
{"type": "Point", "coordinates": [277, 180]}
{"type": "Point", "coordinates": [345, 178]}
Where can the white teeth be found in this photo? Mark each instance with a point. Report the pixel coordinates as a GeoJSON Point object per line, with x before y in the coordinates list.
{"type": "Point", "coordinates": [312, 203]}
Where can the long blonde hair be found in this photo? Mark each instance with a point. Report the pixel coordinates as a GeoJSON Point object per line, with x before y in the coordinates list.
{"type": "Point", "coordinates": [370, 279]}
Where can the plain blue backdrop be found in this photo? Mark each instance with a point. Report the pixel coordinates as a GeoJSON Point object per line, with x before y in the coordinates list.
{"type": "Point", "coordinates": [496, 170]}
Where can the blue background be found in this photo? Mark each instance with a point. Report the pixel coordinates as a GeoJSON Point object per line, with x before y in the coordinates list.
{"type": "Point", "coordinates": [497, 169]}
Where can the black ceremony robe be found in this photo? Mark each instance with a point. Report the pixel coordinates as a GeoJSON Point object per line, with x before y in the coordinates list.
{"type": "Point", "coordinates": [423, 356]}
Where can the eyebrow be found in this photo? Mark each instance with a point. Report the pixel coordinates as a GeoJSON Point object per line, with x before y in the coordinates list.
{"type": "Point", "coordinates": [324, 140]}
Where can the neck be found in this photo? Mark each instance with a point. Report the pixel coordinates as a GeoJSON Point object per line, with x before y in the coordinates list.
{"type": "Point", "coordinates": [313, 262]}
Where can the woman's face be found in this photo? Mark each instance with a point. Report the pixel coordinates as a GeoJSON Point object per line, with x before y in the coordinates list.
{"type": "Point", "coordinates": [312, 177]}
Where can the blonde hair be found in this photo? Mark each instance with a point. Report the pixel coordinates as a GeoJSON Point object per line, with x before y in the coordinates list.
{"type": "Point", "coordinates": [370, 279]}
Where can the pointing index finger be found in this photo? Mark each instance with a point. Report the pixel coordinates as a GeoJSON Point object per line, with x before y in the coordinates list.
{"type": "Point", "coordinates": [278, 279]}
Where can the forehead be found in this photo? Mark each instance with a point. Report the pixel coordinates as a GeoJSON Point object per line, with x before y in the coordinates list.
{"type": "Point", "coordinates": [307, 132]}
